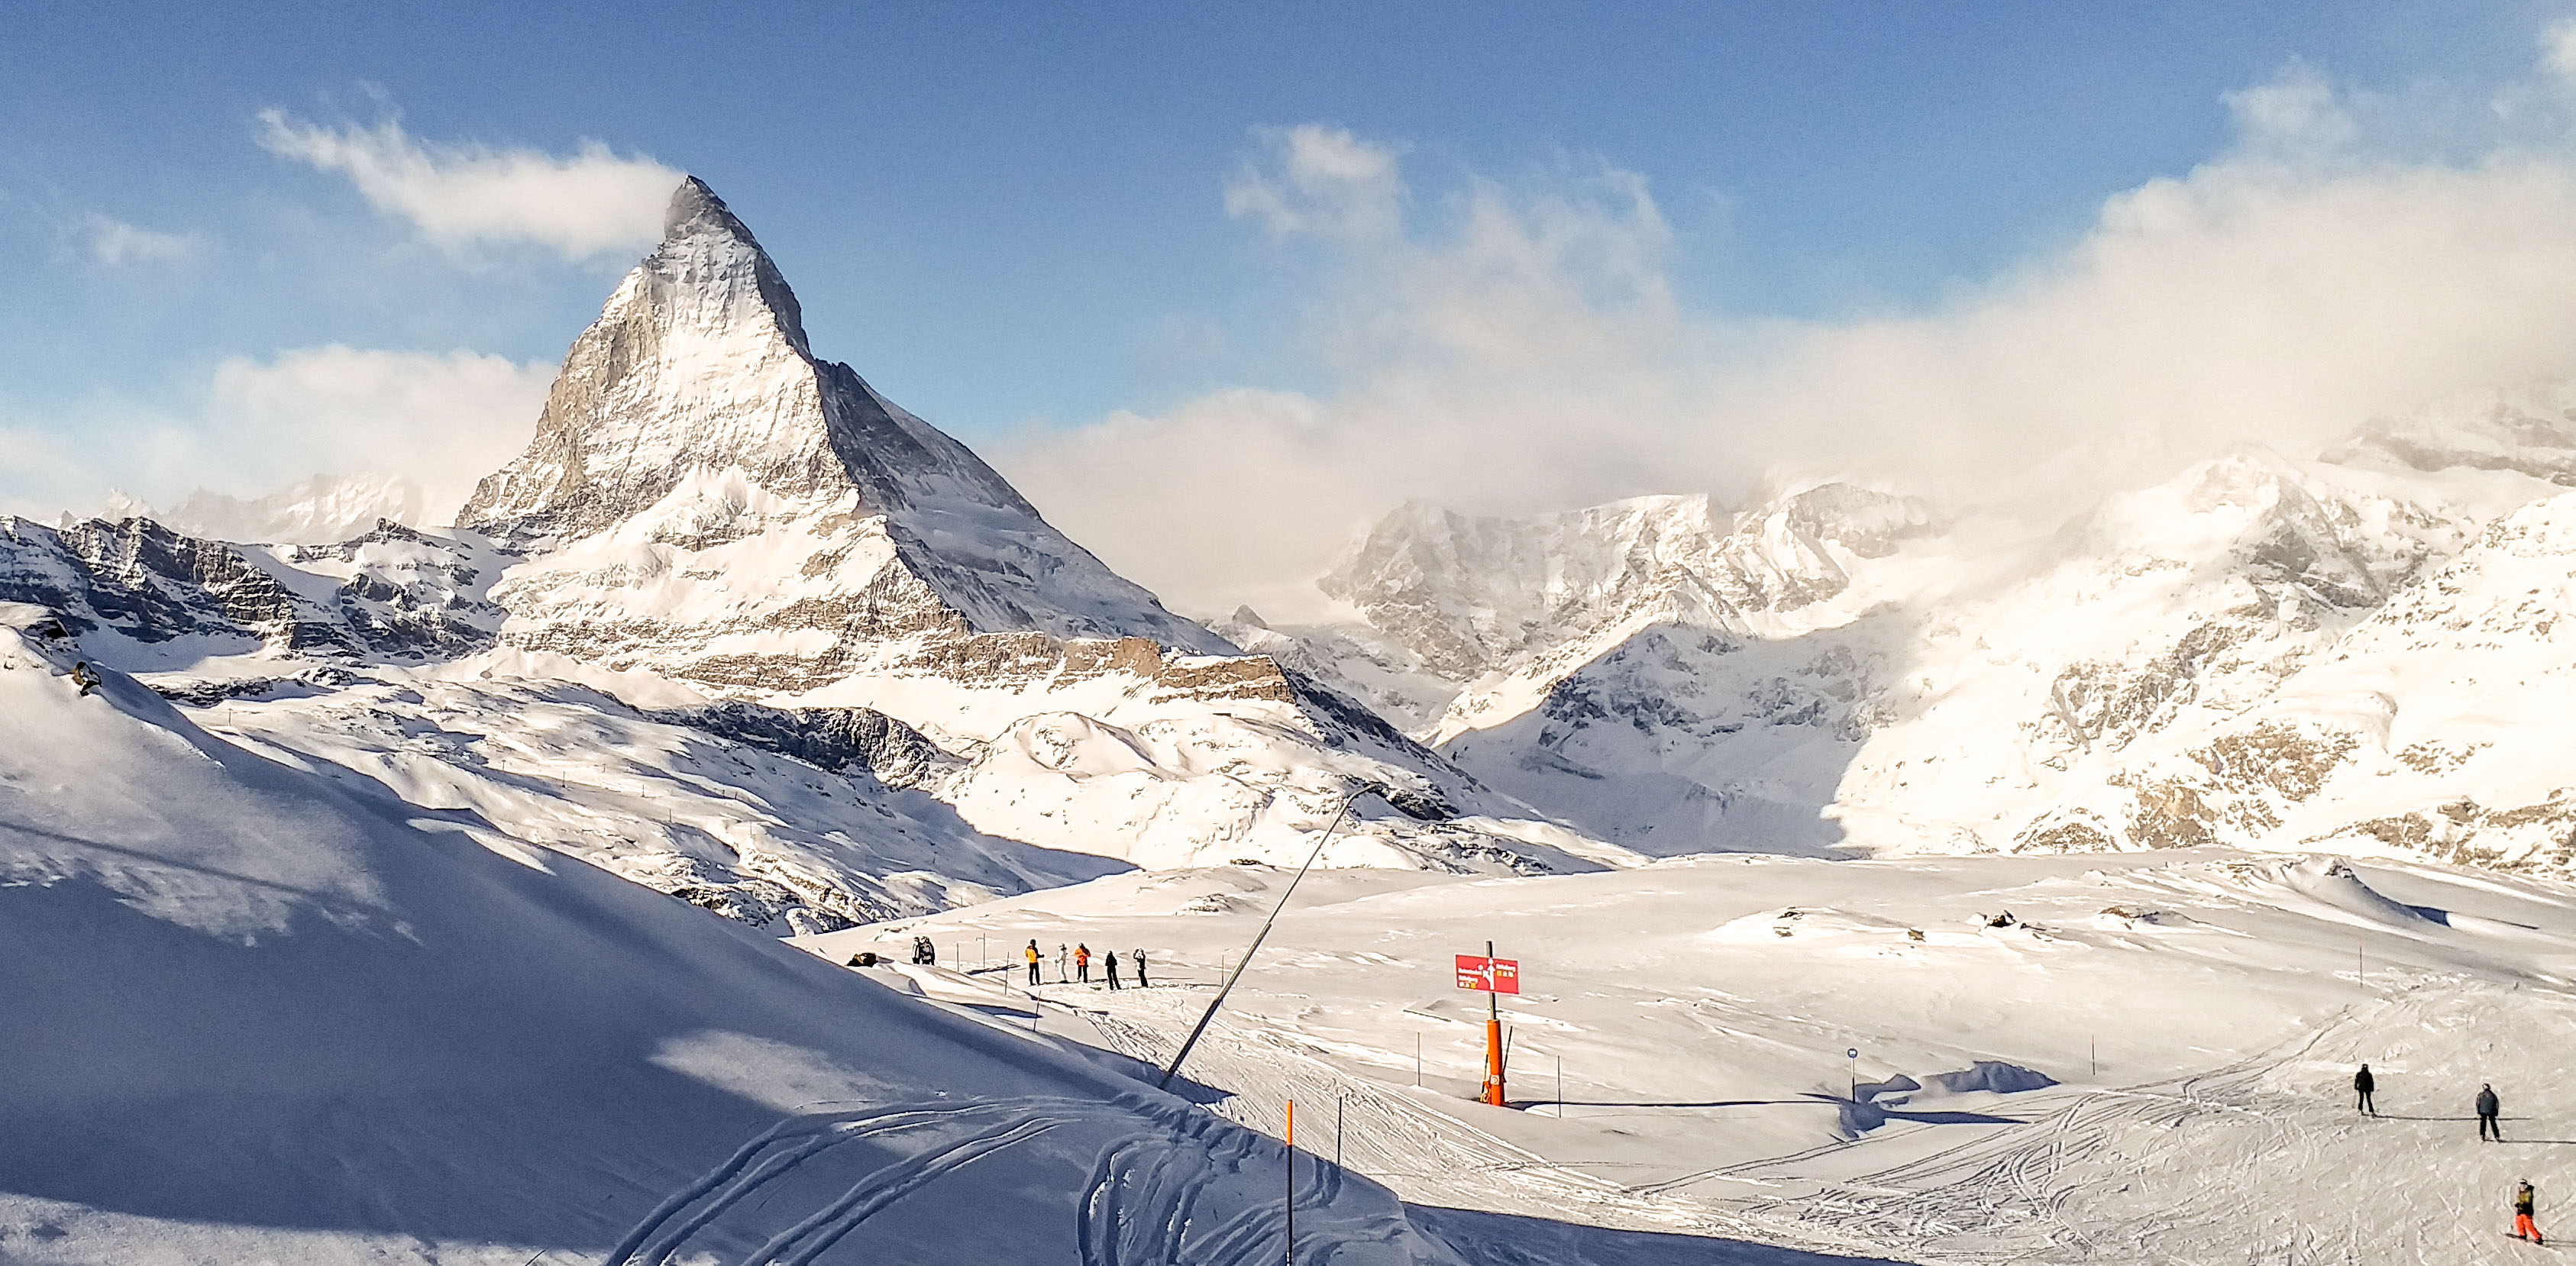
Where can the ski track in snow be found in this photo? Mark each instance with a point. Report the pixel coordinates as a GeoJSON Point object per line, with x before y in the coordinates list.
{"type": "Point", "coordinates": [1139, 1208]}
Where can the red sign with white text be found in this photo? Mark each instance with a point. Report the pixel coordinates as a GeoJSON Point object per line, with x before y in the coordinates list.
{"type": "Point", "coordinates": [1489, 975]}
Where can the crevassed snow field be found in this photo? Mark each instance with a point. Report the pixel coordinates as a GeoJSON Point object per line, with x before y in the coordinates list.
{"type": "Point", "coordinates": [2149, 1063]}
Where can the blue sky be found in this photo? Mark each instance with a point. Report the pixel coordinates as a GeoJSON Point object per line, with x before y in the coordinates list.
{"type": "Point", "coordinates": [1015, 215]}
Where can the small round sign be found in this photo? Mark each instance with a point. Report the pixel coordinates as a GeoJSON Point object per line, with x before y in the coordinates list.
{"type": "Point", "coordinates": [1853, 1053]}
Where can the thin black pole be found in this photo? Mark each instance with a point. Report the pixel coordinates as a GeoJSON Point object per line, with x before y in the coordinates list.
{"type": "Point", "coordinates": [1262, 935]}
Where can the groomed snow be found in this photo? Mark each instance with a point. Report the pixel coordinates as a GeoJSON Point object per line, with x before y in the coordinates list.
{"type": "Point", "coordinates": [2147, 1062]}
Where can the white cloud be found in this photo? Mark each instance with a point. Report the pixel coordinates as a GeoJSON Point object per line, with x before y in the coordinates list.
{"type": "Point", "coordinates": [1321, 181]}
{"type": "Point", "coordinates": [1532, 357]}
{"type": "Point", "coordinates": [437, 420]}
{"type": "Point", "coordinates": [584, 205]}
{"type": "Point", "coordinates": [441, 420]}
{"type": "Point", "coordinates": [2295, 115]}
{"type": "Point", "coordinates": [2558, 48]}
{"type": "Point", "coordinates": [114, 242]}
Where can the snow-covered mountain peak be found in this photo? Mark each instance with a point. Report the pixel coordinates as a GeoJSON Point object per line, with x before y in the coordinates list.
{"type": "Point", "coordinates": [707, 499]}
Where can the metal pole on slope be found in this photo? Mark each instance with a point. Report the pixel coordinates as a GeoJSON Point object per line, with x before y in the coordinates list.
{"type": "Point", "coordinates": [1291, 1257]}
{"type": "Point", "coordinates": [1854, 1054]}
{"type": "Point", "coordinates": [1493, 1036]}
{"type": "Point", "coordinates": [1264, 934]}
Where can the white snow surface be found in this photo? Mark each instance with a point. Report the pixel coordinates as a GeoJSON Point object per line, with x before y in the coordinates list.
{"type": "Point", "coordinates": [259, 1014]}
{"type": "Point", "coordinates": [2134, 1058]}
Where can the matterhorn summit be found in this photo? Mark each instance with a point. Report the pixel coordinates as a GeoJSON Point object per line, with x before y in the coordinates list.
{"type": "Point", "coordinates": [709, 500]}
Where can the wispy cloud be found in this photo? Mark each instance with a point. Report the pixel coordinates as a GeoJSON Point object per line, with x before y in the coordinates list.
{"type": "Point", "coordinates": [1522, 349]}
{"type": "Point", "coordinates": [1322, 181]}
{"type": "Point", "coordinates": [439, 419]}
{"type": "Point", "coordinates": [115, 242]}
{"type": "Point", "coordinates": [589, 203]}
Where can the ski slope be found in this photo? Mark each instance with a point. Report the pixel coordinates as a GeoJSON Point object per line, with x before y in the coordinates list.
{"type": "Point", "coordinates": [257, 1013]}
{"type": "Point", "coordinates": [2149, 1063]}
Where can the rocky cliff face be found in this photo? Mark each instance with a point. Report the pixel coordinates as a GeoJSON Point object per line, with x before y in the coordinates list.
{"type": "Point", "coordinates": [391, 594]}
{"type": "Point", "coordinates": [705, 499]}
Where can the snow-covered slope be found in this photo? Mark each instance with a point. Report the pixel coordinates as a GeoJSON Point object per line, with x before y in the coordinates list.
{"type": "Point", "coordinates": [2434, 726]}
{"type": "Point", "coordinates": [141, 595]}
{"type": "Point", "coordinates": [2140, 1058]}
{"type": "Point", "coordinates": [258, 1016]}
{"type": "Point", "coordinates": [1872, 678]}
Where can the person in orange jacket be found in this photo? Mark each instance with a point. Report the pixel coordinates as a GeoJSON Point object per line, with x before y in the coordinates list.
{"type": "Point", "coordinates": [1031, 953]}
{"type": "Point", "coordinates": [1082, 963]}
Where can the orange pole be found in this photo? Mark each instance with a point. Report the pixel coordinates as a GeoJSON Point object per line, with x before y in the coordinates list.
{"type": "Point", "coordinates": [1493, 1036]}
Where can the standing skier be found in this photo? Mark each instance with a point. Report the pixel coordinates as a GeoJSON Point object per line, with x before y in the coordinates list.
{"type": "Point", "coordinates": [1031, 953]}
{"type": "Point", "coordinates": [2361, 1087]}
{"type": "Point", "coordinates": [1113, 969]}
{"type": "Point", "coordinates": [1063, 962]}
{"type": "Point", "coordinates": [1138, 958]}
{"type": "Point", "coordinates": [2523, 1227]}
{"type": "Point", "coordinates": [1082, 963]}
{"type": "Point", "coordinates": [2487, 1107]}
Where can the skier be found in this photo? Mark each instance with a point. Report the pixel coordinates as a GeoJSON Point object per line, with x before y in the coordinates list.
{"type": "Point", "coordinates": [1032, 953]}
{"type": "Point", "coordinates": [1113, 969]}
{"type": "Point", "coordinates": [85, 677]}
{"type": "Point", "coordinates": [2523, 1227]}
{"type": "Point", "coordinates": [1082, 963]}
{"type": "Point", "coordinates": [2487, 1125]}
{"type": "Point", "coordinates": [2361, 1087]}
{"type": "Point", "coordinates": [1138, 958]}
{"type": "Point", "coordinates": [1063, 962]}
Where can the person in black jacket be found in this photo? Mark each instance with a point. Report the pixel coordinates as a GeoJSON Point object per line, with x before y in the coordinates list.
{"type": "Point", "coordinates": [2362, 1083]}
{"type": "Point", "coordinates": [2487, 1106]}
{"type": "Point", "coordinates": [1112, 960]}
{"type": "Point", "coordinates": [2523, 1227]}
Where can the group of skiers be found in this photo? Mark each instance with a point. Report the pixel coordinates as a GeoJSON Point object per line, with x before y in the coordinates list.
{"type": "Point", "coordinates": [1080, 957]}
{"type": "Point", "coordinates": [2490, 1129]}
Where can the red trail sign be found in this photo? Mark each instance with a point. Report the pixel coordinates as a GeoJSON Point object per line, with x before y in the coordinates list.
{"type": "Point", "coordinates": [1489, 975]}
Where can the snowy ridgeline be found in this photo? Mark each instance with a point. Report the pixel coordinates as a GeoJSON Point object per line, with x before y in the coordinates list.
{"type": "Point", "coordinates": [2363, 653]}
